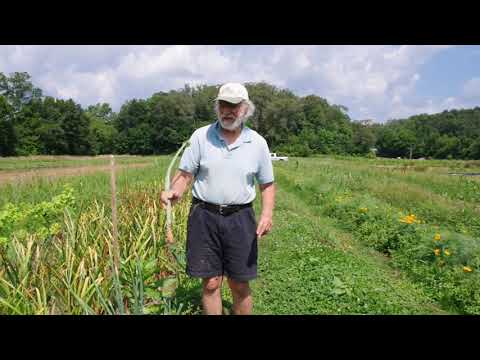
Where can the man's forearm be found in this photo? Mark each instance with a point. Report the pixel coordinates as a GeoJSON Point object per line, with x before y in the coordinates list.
{"type": "Point", "coordinates": [180, 182]}
{"type": "Point", "coordinates": [268, 199]}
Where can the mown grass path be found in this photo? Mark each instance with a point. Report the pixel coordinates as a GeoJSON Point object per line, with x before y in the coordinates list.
{"type": "Point", "coordinates": [307, 265]}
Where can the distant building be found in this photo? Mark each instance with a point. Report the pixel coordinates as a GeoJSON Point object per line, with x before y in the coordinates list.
{"type": "Point", "coordinates": [367, 122]}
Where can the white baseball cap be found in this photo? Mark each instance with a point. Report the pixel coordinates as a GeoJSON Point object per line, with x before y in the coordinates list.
{"type": "Point", "coordinates": [233, 93]}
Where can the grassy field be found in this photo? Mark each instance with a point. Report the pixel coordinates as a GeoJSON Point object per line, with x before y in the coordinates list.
{"type": "Point", "coordinates": [41, 162]}
{"type": "Point", "coordinates": [351, 236]}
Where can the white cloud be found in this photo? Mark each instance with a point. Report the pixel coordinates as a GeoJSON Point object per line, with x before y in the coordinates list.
{"type": "Point", "coordinates": [468, 99]}
{"type": "Point", "coordinates": [377, 78]}
{"type": "Point", "coordinates": [428, 106]}
{"type": "Point", "coordinates": [471, 88]}
{"type": "Point", "coordinates": [372, 81]}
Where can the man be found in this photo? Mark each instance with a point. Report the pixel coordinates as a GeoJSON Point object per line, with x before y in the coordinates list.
{"type": "Point", "coordinates": [223, 159]}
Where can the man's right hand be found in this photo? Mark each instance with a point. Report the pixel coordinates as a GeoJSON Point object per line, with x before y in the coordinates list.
{"type": "Point", "coordinates": [171, 195]}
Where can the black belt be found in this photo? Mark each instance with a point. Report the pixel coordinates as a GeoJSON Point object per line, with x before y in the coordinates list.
{"type": "Point", "coordinates": [220, 209]}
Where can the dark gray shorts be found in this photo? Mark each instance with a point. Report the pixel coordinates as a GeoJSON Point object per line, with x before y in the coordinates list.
{"type": "Point", "coordinates": [222, 245]}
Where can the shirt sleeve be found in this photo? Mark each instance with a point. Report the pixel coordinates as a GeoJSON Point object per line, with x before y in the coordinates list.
{"type": "Point", "coordinates": [190, 160]}
{"type": "Point", "coordinates": [264, 173]}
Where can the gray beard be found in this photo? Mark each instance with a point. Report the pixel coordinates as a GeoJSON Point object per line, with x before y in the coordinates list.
{"type": "Point", "coordinates": [233, 126]}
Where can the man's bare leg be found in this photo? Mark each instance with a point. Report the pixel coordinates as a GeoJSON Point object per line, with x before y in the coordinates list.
{"type": "Point", "coordinates": [242, 297]}
{"type": "Point", "coordinates": [212, 296]}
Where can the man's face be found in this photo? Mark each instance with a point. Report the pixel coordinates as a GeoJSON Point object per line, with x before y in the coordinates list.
{"type": "Point", "coordinates": [230, 113]}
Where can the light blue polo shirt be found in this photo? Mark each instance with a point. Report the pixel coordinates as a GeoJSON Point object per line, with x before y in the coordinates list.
{"type": "Point", "coordinates": [224, 174]}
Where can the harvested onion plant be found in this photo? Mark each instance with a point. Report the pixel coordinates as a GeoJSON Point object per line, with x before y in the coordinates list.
{"type": "Point", "coordinates": [65, 263]}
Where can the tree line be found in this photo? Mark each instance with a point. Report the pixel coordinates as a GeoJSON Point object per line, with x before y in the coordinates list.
{"type": "Point", "coordinates": [453, 134]}
{"type": "Point", "coordinates": [31, 124]}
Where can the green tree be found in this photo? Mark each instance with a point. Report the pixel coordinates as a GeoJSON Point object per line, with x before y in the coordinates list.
{"type": "Point", "coordinates": [395, 141]}
{"type": "Point", "coordinates": [27, 123]}
{"type": "Point", "coordinates": [18, 89]}
{"type": "Point", "coordinates": [446, 147]}
{"type": "Point", "coordinates": [283, 119]}
{"type": "Point", "coordinates": [261, 95]}
{"type": "Point", "coordinates": [75, 126]}
{"type": "Point", "coordinates": [474, 150]}
{"type": "Point", "coordinates": [101, 111]}
{"type": "Point", "coordinates": [449, 134]}
{"type": "Point", "coordinates": [203, 99]}
{"type": "Point", "coordinates": [363, 138]}
{"type": "Point", "coordinates": [172, 120]}
{"type": "Point", "coordinates": [132, 115]}
{"type": "Point", "coordinates": [103, 133]}
{"type": "Point", "coordinates": [8, 137]}
{"type": "Point", "coordinates": [330, 125]}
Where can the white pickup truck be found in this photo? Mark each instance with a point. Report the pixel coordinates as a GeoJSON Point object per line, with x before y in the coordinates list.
{"type": "Point", "coordinates": [274, 157]}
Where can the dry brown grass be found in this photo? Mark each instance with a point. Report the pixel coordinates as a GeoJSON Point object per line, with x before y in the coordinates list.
{"type": "Point", "coordinates": [19, 176]}
{"type": "Point", "coordinates": [63, 157]}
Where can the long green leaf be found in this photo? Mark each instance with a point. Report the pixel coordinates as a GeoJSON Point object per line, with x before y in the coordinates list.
{"type": "Point", "coordinates": [108, 307]}
{"type": "Point", "coordinates": [117, 290]}
{"type": "Point", "coordinates": [82, 303]}
{"type": "Point", "coordinates": [7, 304]}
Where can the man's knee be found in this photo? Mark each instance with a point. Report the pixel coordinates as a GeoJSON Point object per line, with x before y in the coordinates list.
{"type": "Point", "coordinates": [240, 288]}
{"type": "Point", "coordinates": [212, 284]}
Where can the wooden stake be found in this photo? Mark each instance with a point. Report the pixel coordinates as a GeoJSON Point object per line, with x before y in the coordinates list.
{"type": "Point", "coordinates": [116, 250]}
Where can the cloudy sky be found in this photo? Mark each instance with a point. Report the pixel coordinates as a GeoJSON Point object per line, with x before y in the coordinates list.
{"type": "Point", "coordinates": [376, 82]}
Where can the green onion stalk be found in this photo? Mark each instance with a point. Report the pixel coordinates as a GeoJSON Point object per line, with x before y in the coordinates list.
{"type": "Point", "coordinates": [170, 283]}
{"type": "Point", "coordinates": [170, 239]}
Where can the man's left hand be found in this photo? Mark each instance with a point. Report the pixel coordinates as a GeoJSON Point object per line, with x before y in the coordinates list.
{"type": "Point", "coordinates": [264, 225]}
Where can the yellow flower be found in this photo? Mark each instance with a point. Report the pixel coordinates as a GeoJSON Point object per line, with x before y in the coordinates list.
{"type": "Point", "coordinates": [447, 252]}
{"type": "Point", "coordinates": [467, 269]}
{"type": "Point", "coordinates": [406, 220]}
{"type": "Point", "coordinates": [410, 219]}
{"type": "Point", "coordinates": [437, 252]}
{"type": "Point", "coordinates": [437, 237]}
{"type": "Point", "coordinates": [363, 209]}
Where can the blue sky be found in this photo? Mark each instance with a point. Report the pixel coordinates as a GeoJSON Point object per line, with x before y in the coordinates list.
{"type": "Point", "coordinates": [447, 72]}
{"type": "Point", "coordinates": [378, 82]}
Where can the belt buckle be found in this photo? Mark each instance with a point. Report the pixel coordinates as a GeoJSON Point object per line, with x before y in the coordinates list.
{"type": "Point", "coordinates": [220, 209]}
